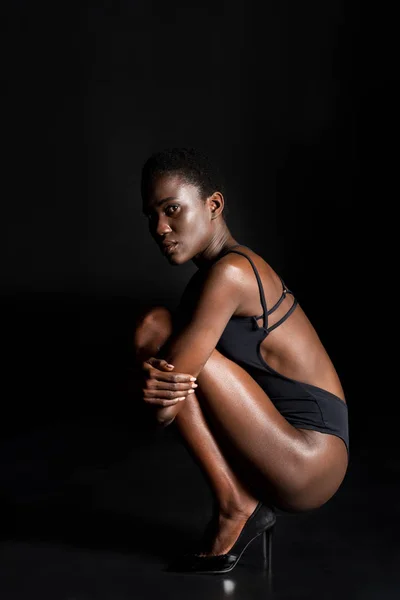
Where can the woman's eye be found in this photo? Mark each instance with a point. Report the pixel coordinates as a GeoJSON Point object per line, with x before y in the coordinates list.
{"type": "Point", "coordinates": [170, 206]}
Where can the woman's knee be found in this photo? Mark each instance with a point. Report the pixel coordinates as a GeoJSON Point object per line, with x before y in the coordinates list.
{"type": "Point", "coordinates": [153, 328]}
{"type": "Point", "coordinates": [154, 316]}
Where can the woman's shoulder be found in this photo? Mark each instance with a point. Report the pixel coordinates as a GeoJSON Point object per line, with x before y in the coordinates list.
{"type": "Point", "coordinates": [251, 264]}
{"type": "Point", "coordinates": [228, 267]}
{"type": "Point", "coordinates": [233, 266]}
{"type": "Point", "coordinates": [247, 260]}
{"type": "Point", "coordinates": [236, 254]}
{"type": "Point", "coordinates": [223, 275]}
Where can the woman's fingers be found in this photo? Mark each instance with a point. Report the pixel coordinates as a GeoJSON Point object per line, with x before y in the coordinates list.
{"type": "Point", "coordinates": [174, 377]}
{"type": "Point", "coordinates": [155, 384]}
{"type": "Point", "coordinates": [160, 363]}
{"type": "Point", "coordinates": [155, 380]}
{"type": "Point", "coordinates": [152, 372]}
{"type": "Point", "coordinates": [164, 388]}
{"type": "Point", "coordinates": [166, 394]}
{"type": "Point", "coordinates": [163, 401]}
{"type": "Point", "coordinates": [168, 390]}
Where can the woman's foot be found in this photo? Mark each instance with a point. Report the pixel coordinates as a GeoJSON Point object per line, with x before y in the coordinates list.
{"type": "Point", "coordinates": [224, 529]}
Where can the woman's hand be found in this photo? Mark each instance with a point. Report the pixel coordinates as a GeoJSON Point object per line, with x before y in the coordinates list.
{"type": "Point", "coordinates": [161, 387]}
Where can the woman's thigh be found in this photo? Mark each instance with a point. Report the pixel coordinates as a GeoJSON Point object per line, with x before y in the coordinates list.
{"type": "Point", "coordinates": [301, 469]}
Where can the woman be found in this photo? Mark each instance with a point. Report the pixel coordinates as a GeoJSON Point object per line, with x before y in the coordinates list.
{"type": "Point", "coordinates": [266, 419]}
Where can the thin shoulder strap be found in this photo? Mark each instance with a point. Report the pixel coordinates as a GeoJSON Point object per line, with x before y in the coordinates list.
{"type": "Point", "coordinates": [261, 289]}
{"type": "Point", "coordinates": [285, 291]}
{"type": "Point", "coordinates": [260, 286]}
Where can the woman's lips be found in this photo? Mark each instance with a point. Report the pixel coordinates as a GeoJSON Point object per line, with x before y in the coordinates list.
{"type": "Point", "coordinates": [170, 248]}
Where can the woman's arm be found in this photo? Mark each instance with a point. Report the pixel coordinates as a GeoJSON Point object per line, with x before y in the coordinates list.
{"type": "Point", "coordinates": [190, 348]}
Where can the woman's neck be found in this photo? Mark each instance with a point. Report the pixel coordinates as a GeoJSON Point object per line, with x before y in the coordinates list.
{"type": "Point", "coordinates": [214, 251]}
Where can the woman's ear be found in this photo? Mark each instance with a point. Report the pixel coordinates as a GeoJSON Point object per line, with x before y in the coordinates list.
{"type": "Point", "coordinates": [216, 204]}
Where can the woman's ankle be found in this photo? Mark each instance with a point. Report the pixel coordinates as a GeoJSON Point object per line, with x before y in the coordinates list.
{"type": "Point", "coordinates": [234, 506]}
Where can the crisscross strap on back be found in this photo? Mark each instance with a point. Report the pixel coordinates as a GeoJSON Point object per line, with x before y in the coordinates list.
{"type": "Point", "coordinates": [289, 312]}
{"type": "Point", "coordinates": [262, 296]}
{"type": "Point", "coordinates": [260, 286]}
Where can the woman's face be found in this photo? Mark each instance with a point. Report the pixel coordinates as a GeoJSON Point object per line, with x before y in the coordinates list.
{"type": "Point", "coordinates": [179, 219]}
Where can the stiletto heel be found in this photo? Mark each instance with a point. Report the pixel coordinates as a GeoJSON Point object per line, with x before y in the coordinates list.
{"type": "Point", "coordinates": [260, 522]}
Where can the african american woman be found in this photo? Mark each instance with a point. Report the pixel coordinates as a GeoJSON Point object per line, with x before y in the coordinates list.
{"type": "Point", "coordinates": [238, 368]}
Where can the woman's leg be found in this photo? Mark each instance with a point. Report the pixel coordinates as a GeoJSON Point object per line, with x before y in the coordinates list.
{"type": "Point", "coordinates": [230, 494]}
{"type": "Point", "coordinates": [297, 469]}
{"type": "Point", "coordinates": [294, 468]}
{"type": "Point", "coordinates": [233, 500]}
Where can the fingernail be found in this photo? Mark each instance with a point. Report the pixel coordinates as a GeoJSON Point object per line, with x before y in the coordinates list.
{"type": "Point", "coordinates": [194, 385]}
{"type": "Point", "coordinates": [171, 366]}
{"type": "Point", "coordinates": [180, 399]}
{"type": "Point", "coordinates": [193, 378]}
{"type": "Point", "coordinates": [190, 391]}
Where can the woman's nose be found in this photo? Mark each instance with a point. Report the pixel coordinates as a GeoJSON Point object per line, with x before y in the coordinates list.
{"type": "Point", "coordinates": [163, 227]}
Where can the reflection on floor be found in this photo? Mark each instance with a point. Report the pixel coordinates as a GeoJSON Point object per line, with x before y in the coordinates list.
{"type": "Point", "coordinates": [87, 513]}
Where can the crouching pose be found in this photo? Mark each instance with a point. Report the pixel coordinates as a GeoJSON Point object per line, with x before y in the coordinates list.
{"type": "Point", "coordinates": [238, 368]}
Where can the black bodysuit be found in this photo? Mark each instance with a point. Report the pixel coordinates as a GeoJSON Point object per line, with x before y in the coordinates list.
{"type": "Point", "coordinates": [303, 405]}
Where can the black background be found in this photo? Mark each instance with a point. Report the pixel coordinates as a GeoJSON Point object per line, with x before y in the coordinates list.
{"type": "Point", "coordinates": [296, 104]}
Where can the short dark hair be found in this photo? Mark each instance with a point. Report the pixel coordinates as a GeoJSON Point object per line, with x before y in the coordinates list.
{"type": "Point", "coordinates": [193, 166]}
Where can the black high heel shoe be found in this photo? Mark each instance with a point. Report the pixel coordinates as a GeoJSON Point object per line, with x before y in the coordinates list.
{"type": "Point", "coordinates": [260, 522]}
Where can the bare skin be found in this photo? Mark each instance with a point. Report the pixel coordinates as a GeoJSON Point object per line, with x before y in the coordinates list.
{"type": "Point", "coordinates": [245, 447]}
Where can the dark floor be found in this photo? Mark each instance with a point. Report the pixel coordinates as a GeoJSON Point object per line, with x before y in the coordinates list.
{"type": "Point", "coordinates": [89, 514]}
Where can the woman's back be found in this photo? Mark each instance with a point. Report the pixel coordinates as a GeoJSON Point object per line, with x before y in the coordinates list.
{"type": "Point", "coordinates": [285, 343]}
